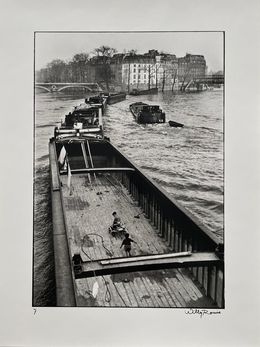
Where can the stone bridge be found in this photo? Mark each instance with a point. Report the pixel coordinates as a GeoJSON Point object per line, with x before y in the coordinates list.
{"type": "Point", "coordinates": [58, 87]}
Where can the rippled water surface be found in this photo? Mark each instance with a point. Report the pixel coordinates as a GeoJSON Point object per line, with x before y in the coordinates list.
{"type": "Point", "coordinates": [187, 162]}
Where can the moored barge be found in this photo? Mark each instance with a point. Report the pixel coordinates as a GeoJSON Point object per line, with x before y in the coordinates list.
{"type": "Point", "coordinates": [144, 91]}
{"type": "Point", "coordinates": [176, 261]}
{"type": "Point", "coordinates": [115, 97]}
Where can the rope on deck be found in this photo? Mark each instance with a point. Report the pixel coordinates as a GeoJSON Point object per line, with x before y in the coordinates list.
{"type": "Point", "coordinates": [107, 293]}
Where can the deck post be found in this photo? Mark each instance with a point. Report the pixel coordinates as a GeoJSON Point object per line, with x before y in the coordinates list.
{"type": "Point", "coordinates": [153, 209]}
{"type": "Point", "coordinates": [162, 224]}
{"type": "Point", "coordinates": [170, 233]}
{"type": "Point", "coordinates": [180, 241]}
{"type": "Point", "coordinates": [176, 239]}
{"type": "Point", "coordinates": [149, 205]}
{"type": "Point", "coordinates": [155, 214]}
{"type": "Point", "coordinates": [160, 221]}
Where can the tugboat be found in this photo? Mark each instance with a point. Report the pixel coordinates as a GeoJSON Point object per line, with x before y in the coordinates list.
{"type": "Point", "coordinates": [145, 113]}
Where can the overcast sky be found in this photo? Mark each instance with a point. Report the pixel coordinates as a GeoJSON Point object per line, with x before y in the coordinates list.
{"type": "Point", "coordinates": [64, 45]}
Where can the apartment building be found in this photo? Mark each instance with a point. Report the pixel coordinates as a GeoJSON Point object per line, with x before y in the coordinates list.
{"type": "Point", "coordinates": [149, 70]}
{"type": "Point", "coordinates": [191, 66]}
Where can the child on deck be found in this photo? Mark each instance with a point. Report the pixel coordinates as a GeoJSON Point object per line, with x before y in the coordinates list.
{"type": "Point", "coordinates": [117, 220]}
{"type": "Point", "coordinates": [127, 244]}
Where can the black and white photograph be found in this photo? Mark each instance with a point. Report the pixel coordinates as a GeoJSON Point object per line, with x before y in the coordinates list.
{"type": "Point", "coordinates": [130, 186]}
{"type": "Point", "coordinates": [129, 174]}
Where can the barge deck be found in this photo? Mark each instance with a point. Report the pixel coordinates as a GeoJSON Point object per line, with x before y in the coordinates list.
{"type": "Point", "coordinates": [88, 208]}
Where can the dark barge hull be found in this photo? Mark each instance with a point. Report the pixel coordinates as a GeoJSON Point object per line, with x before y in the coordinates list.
{"type": "Point", "coordinates": [146, 117]}
{"type": "Point", "coordinates": [144, 92]}
{"type": "Point", "coordinates": [177, 229]}
{"type": "Point", "coordinates": [114, 98]}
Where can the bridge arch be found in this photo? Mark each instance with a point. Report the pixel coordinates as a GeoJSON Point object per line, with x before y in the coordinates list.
{"type": "Point", "coordinates": [44, 88]}
{"type": "Point", "coordinates": [75, 86]}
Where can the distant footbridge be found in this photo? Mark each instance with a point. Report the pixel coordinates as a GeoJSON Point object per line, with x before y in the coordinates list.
{"type": "Point", "coordinates": [202, 81]}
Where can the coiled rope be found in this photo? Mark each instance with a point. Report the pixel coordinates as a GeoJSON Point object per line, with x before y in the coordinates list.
{"type": "Point", "coordinates": [107, 293]}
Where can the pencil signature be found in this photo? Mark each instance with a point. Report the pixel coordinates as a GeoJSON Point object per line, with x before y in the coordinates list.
{"type": "Point", "coordinates": [201, 312]}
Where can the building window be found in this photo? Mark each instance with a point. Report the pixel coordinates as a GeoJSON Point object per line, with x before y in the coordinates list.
{"type": "Point", "coordinates": [134, 70]}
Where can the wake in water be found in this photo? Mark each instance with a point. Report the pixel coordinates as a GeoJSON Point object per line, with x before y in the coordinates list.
{"type": "Point", "coordinates": [43, 285]}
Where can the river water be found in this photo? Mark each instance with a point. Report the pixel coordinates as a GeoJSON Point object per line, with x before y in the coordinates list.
{"type": "Point", "coordinates": [187, 162]}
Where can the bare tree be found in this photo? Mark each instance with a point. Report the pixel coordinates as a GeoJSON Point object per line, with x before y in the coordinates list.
{"type": "Point", "coordinates": [172, 71]}
{"type": "Point", "coordinates": [150, 70]}
{"type": "Point", "coordinates": [174, 77]}
{"type": "Point", "coordinates": [186, 77]}
{"type": "Point", "coordinates": [104, 55]}
{"type": "Point", "coordinates": [163, 79]}
{"type": "Point", "coordinates": [55, 70]}
{"type": "Point", "coordinates": [156, 69]}
{"type": "Point", "coordinates": [79, 63]}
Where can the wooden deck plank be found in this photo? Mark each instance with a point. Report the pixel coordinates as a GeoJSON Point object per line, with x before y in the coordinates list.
{"type": "Point", "coordinates": [183, 292]}
{"type": "Point", "coordinates": [123, 293]}
{"type": "Point", "coordinates": [142, 292]}
{"type": "Point", "coordinates": [150, 292]}
{"type": "Point", "coordinates": [166, 293]}
{"type": "Point", "coordinates": [169, 299]}
{"type": "Point", "coordinates": [136, 294]}
{"type": "Point", "coordinates": [154, 291]}
{"type": "Point", "coordinates": [143, 289]}
{"type": "Point", "coordinates": [130, 290]}
{"type": "Point", "coordinates": [171, 293]}
{"type": "Point", "coordinates": [130, 295]}
{"type": "Point", "coordinates": [116, 300]}
{"type": "Point", "coordinates": [190, 287]}
{"type": "Point", "coordinates": [161, 291]}
{"type": "Point", "coordinates": [88, 212]}
{"type": "Point", "coordinates": [176, 292]}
